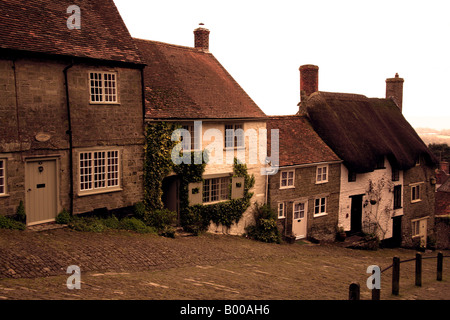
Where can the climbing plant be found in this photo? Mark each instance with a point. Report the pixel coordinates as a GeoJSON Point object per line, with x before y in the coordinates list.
{"type": "Point", "coordinates": [197, 218]}
{"type": "Point", "coordinates": [158, 163]}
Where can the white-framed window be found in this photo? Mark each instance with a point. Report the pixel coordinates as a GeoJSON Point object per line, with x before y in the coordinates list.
{"type": "Point", "coordinates": [193, 144]}
{"type": "Point", "coordinates": [2, 176]}
{"type": "Point", "coordinates": [234, 136]}
{"type": "Point", "coordinates": [216, 189]}
{"type": "Point", "coordinates": [320, 206]}
{"type": "Point", "coordinates": [322, 174]}
{"type": "Point", "coordinates": [287, 179]}
{"type": "Point", "coordinates": [103, 87]}
{"type": "Point", "coordinates": [99, 170]}
{"type": "Point", "coordinates": [299, 210]}
{"type": "Point", "coordinates": [415, 228]}
{"type": "Point", "coordinates": [415, 193]}
{"type": "Point", "coordinates": [281, 213]}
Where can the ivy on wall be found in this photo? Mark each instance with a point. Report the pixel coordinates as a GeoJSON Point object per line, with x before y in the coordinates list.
{"type": "Point", "coordinates": [197, 218]}
{"type": "Point", "coordinates": [158, 164]}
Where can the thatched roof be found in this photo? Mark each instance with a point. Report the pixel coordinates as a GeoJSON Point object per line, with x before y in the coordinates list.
{"type": "Point", "coordinates": [361, 129]}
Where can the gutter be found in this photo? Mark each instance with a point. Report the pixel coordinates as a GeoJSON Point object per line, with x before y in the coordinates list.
{"type": "Point", "coordinates": [69, 132]}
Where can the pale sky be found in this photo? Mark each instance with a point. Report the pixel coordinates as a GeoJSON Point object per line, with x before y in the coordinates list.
{"type": "Point", "coordinates": [356, 44]}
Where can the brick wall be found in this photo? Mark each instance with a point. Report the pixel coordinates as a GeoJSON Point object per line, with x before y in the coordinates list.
{"type": "Point", "coordinates": [323, 227]}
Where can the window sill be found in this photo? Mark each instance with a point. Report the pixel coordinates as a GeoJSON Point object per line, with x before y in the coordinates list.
{"type": "Point", "coordinates": [233, 148]}
{"type": "Point", "coordinates": [104, 103]}
{"type": "Point", "coordinates": [4, 195]}
{"type": "Point", "coordinates": [320, 215]}
{"type": "Point", "coordinates": [289, 187]}
{"type": "Point", "coordinates": [321, 182]}
{"type": "Point", "coordinates": [215, 202]}
{"type": "Point", "coordinates": [415, 201]}
{"type": "Point", "coordinates": [99, 191]}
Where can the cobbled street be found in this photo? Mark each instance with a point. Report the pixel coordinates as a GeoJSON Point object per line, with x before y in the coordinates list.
{"type": "Point", "coordinates": [126, 265]}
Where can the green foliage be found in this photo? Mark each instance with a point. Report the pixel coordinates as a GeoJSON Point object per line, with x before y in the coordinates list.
{"type": "Point", "coordinates": [95, 224]}
{"type": "Point", "coordinates": [86, 224]}
{"type": "Point", "coordinates": [63, 217]}
{"type": "Point", "coordinates": [20, 213]}
{"type": "Point", "coordinates": [158, 161]}
{"type": "Point", "coordinates": [440, 150]}
{"type": "Point", "coordinates": [197, 218]}
{"type": "Point", "coordinates": [265, 228]}
{"type": "Point", "coordinates": [133, 224]}
{"type": "Point", "coordinates": [9, 223]}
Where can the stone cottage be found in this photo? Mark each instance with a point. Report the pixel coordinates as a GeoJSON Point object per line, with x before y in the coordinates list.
{"type": "Point", "coordinates": [71, 133]}
{"type": "Point", "coordinates": [305, 190]}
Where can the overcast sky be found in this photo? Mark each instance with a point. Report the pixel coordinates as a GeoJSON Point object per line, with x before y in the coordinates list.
{"type": "Point", "coordinates": [356, 44]}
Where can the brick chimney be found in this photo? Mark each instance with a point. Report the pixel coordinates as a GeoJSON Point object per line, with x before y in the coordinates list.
{"type": "Point", "coordinates": [394, 90]}
{"type": "Point", "coordinates": [309, 80]}
{"type": "Point", "coordinates": [201, 38]}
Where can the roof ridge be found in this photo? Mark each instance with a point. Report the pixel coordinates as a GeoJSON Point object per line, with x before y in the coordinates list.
{"type": "Point", "coordinates": [178, 46]}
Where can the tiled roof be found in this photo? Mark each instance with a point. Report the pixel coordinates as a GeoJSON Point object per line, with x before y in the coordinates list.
{"type": "Point", "coordinates": [298, 142]}
{"type": "Point", "coordinates": [361, 129]}
{"type": "Point", "coordinates": [41, 26]}
{"type": "Point", "coordinates": [184, 82]}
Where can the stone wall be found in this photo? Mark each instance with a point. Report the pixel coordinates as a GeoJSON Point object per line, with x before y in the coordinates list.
{"type": "Point", "coordinates": [320, 227]}
{"type": "Point", "coordinates": [34, 118]}
{"type": "Point", "coordinates": [418, 209]}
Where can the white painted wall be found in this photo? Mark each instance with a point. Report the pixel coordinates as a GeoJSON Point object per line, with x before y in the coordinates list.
{"type": "Point", "coordinates": [360, 186]}
{"type": "Point", "coordinates": [259, 188]}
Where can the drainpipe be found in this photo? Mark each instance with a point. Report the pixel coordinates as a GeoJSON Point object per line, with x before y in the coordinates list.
{"type": "Point", "coordinates": [69, 132]}
{"type": "Point", "coordinates": [17, 109]}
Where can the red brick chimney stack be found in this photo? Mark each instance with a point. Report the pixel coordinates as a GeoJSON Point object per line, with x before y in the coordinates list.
{"type": "Point", "coordinates": [201, 38]}
{"type": "Point", "coordinates": [394, 90]}
{"type": "Point", "coordinates": [309, 80]}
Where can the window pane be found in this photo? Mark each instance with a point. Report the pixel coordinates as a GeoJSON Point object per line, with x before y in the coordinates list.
{"type": "Point", "coordinates": [239, 135]}
{"type": "Point", "coordinates": [280, 210]}
{"type": "Point", "coordinates": [224, 188]}
{"type": "Point", "coordinates": [85, 171]}
{"type": "Point", "coordinates": [2, 176]}
{"type": "Point", "coordinates": [229, 136]}
{"type": "Point", "coordinates": [113, 168]}
{"type": "Point", "coordinates": [99, 170]}
{"type": "Point", "coordinates": [206, 190]}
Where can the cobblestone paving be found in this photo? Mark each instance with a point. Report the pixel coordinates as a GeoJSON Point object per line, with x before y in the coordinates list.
{"type": "Point", "coordinates": [126, 265]}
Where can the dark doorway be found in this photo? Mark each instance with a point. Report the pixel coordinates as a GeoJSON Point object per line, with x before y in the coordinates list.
{"type": "Point", "coordinates": [356, 214]}
{"type": "Point", "coordinates": [170, 197]}
{"type": "Point", "coordinates": [397, 231]}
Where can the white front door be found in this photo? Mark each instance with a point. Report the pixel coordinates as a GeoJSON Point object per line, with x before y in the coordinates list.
{"type": "Point", "coordinates": [299, 217]}
{"type": "Point", "coordinates": [41, 191]}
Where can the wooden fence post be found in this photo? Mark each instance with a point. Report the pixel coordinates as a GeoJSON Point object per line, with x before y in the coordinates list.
{"type": "Point", "coordinates": [354, 291]}
{"type": "Point", "coordinates": [375, 294]}
{"type": "Point", "coordinates": [395, 276]}
{"type": "Point", "coordinates": [418, 269]}
{"type": "Point", "coordinates": [440, 259]}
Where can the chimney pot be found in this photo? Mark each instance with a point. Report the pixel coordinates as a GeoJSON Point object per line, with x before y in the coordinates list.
{"type": "Point", "coordinates": [394, 90]}
{"type": "Point", "coordinates": [309, 80]}
{"type": "Point", "coordinates": [201, 38]}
